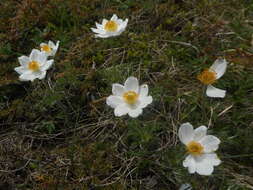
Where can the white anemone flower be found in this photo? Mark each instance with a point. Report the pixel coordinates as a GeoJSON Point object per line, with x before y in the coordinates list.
{"type": "Point", "coordinates": [201, 147]}
{"type": "Point", "coordinates": [109, 28]}
{"type": "Point", "coordinates": [211, 75]}
{"type": "Point", "coordinates": [34, 66]}
{"type": "Point", "coordinates": [129, 99]}
{"type": "Point", "coordinates": [49, 48]}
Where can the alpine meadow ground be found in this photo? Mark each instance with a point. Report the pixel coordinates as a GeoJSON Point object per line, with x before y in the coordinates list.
{"type": "Point", "coordinates": [58, 133]}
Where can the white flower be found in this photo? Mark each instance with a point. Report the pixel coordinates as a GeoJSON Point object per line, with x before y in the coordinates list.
{"type": "Point", "coordinates": [113, 27]}
{"type": "Point", "coordinates": [129, 99]}
{"type": "Point", "coordinates": [201, 147]}
{"type": "Point", "coordinates": [50, 48]}
{"type": "Point", "coordinates": [211, 75]}
{"type": "Point", "coordinates": [34, 66]}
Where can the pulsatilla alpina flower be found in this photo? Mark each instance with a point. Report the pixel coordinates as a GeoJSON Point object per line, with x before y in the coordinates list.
{"type": "Point", "coordinates": [211, 75]}
{"type": "Point", "coordinates": [200, 147]}
{"type": "Point", "coordinates": [50, 48]}
{"type": "Point", "coordinates": [129, 99]}
{"type": "Point", "coordinates": [109, 28]}
{"type": "Point", "coordinates": [34, 66]}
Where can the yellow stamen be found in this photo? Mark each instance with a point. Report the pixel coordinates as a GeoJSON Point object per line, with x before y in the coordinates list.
{"type": "Point", "coordinates": [46, 48]}
{"type": "Point", "coordinates": [111, 26]}
{"type": "Point", "coordinates": [207, 77]}
{"type": "Point", "coordinates": [130, 97]}
{"type": "Point", "coordinates": [33, 65]}
{"type": "Point", "coordinates": [195, 148]}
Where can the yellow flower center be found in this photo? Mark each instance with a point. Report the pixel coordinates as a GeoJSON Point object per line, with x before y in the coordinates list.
{"type": "Point", "coordinates": [33, 65]}
{"type": "Point", "coordinates": [194, 148]}
{"type": "Point", "coordinates": [46, 48]}
{"type": "Point", "coordinates": [207, 77]}
{"type": "Point", "coordinates": [111, 26]}
{"type": "Point", "coordinates": [130, 97]}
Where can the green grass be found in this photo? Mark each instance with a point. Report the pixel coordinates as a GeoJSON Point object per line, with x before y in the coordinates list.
{"type": "Point", "coordinates": [58, 133]}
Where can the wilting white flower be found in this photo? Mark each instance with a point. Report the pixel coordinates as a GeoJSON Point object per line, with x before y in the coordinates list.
{"type": "Point", "coordinates": [108, 28]}
{"type": "Point", "coordinates": [34, 66]}
{"type": "Point", "coordinates": [211, 75]}
{"type": "Point", "coordinates": [201, 147]}
{"type": "Point", "coordinates": [50, 48]}
{"type": "Point", "coordinates": [129, 99]}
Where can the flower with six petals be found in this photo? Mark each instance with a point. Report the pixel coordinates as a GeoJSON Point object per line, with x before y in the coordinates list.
{"type": "Point", "coordinates": [200, 147]}
{"type": "Point", "coordinates": [109, 28]}
{"type": "Point", "coordinates": [129, 99]}
{"type": "Point", "coordinates": [34, 66]}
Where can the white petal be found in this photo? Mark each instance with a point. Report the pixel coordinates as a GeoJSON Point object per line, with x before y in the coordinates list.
{"type": "Point", "coordinates": [20, 70]}
{"type": "Point", "coordinates": [119, 21]}
{"type": "Point", "coordinates": [24, 60]}
{"type": "Point", "coordinates": [204, 168]}
{"type": "Point", "coordinates": [55, 48]}
{"type": "Point", "coordinates": [117, 33]}
{"type": "Point", "coordinates": [213, 159]}
{"type": "Point", "coordinates": [99, 26]}
{"type": "Point", "coordinates": [121, 110]}
{"type": "Point", "coordinates": [41, 75]}
{"type": "Point", "coordinates": [199, 133]}
{"type": "Point", "coordinates": [143, 90]}
{"type": "Point", "coordinates": [53, 52]}
{"type": "Point", "coordinates": [57, 44]}
{"type": "Point", "coordinates": [144, 101]}
{"type": "Point", "coordinates": [27, 76]}
{"type": "Point", "coordinates": [34, 55]}
{"type": "Point", "coordinates": [47, 65]}
{"type": "Point", "coordinates": [135, 112]}
{"type": "Point", "coordinates": [109, 34]}
{"type": "Point", "coordinates": [102, 36]}
{"type": "Point", "coordinates": [118, 89]}
{"type": "Point", "coordinates": [205, 163]}
{"type": "Point", "coordinates": [132, 84]}
{"type": "Point", "coordinates": [210, 143]}
{"type": "Point", "coordinates": [42, 58]}
{"type": "Point", "coordinates": [98, 31]}
{"type": "Point", "coordinates": [189, 163]}
{"type": "Point", "coordinates": [123, 26]}
{"type": "Point", "coordinates": [51, 44]}
{"type": "Point", "coordinates": [185, 133]}
{"type": "Point", "coordinates": [104, 21]}
{"type": "Point", "coordinates": [213, 92]}
{"type": "Point", "coordinates": [125, 23]}
{"type": "Point", "coordinates": [114, 17]}
{"type": "Point", "coordinates": [43, 44]}
{"type": "Point", "coordinates": [114, 101]}
{"type": "Point", "coordinates": [219, 66]}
